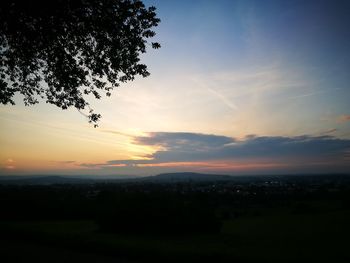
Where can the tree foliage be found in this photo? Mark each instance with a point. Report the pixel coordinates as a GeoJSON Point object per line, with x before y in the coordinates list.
{"type": "Point", "coordinates": [66, 51]}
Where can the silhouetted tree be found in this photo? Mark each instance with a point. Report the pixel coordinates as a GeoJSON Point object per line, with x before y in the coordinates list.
{"type": "Point", "coordinates": [64, 50]}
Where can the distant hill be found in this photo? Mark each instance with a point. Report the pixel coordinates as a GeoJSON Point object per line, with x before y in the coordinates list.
{"type": "Point", "coordinates": [43, 180]}
{"type": "Point", "coordinates": [161, 178]}
{"type": "Point", "coordinates": [60, 179]}
{"type": "Point", "coordinates": [186, 177]}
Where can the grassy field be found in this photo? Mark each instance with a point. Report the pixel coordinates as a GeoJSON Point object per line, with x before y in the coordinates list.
{"type": "Point", "coordinates": [278, 235]}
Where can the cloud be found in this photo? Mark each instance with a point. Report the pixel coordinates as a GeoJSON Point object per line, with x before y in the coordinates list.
{"type": "Point", "coordinates": [117, 133]}
{"type": "Point", "coordinates": [343, 118]}
{"type": "Point", "coordinates": [195, 149]}
{"type": "Point", "coordinates": [65, 162]}
{"type": "Point", "coordinates": [278, 146]}
{"type": "Point", "coordinates": [10, 164]}
{"type": "Point", "coordinates": [223, 99]}
{"type": "Point", "coordinates": [184, 140]}
{"type": "Point", "coordinates": [329, 131]}
{"type": "Point", "coordinates": [108, 164]}
{"type": "Point", "coordinates": [190, 146]}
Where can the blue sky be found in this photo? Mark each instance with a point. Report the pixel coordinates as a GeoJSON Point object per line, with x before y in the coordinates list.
{"type": "Point", "coordinates": [245, 71]}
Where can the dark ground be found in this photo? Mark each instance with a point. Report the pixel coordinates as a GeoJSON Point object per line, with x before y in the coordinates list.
{"type": "Point", "coordinates": [265, 221]}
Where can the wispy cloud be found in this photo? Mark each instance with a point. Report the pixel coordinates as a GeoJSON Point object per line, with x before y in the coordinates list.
{"type": "Point", "coordinates": [223, 99]}
{"type": "Point", "coordinates": [313, 93]}
{"type": "Point", "coordinates": [118, 133]}
{"type": "Point", "coordinates": [343, 118]}
{"type": "Point", "coordinates": [65, 162]}
{"type": "Point", "coordinates": [10, 164]}
{"type": "Point", "coordinates": [328, 131]}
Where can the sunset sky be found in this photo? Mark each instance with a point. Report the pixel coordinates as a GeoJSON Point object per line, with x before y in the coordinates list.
{"type": "Point", "coordinates": [238, 87]}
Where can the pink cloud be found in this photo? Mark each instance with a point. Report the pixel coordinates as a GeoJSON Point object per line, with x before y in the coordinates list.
{"type": "Point", "coordinates": [343, 118]}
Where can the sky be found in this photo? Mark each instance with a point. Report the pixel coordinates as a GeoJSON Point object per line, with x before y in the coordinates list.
{"type": "Point", "coordinates": [238, 87]}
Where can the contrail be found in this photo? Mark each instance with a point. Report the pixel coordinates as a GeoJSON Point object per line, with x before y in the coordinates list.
{"type": "Point", "coordinates": [227, 102]}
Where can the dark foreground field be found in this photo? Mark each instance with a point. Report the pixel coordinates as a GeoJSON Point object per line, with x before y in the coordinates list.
{"type": "Point", "coordinates": [277, 226]}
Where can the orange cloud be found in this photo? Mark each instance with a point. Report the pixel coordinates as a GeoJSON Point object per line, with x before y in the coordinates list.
{"type": "Point", "coordinates": [10, 164]}
{"type": "Point", "coordinates": [117, 165]}
{"type": "Point", "coordinates": [343, 118]}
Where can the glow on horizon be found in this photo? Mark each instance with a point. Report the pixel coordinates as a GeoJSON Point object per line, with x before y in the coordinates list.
{"type": "Point", "coordinates": [228, 166]}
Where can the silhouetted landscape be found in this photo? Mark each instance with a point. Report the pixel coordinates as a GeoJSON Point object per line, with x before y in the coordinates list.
{"type": "Point", "coordinates": [177, 217]}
